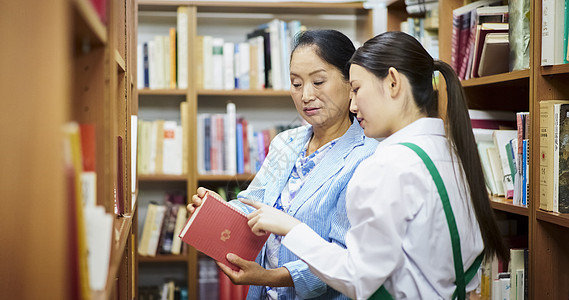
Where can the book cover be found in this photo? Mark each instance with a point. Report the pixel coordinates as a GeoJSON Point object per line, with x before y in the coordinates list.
{"type": "Point", "coordinates": [501, 139]}
{"type": "Point", "coordinates": [216, 228]}
{"type": "Point", "coordinates": [547, 155]}
{"type": "Point", "coordinates": [563, 161]}
{"type": "Point", "coordinates": [494, 55]}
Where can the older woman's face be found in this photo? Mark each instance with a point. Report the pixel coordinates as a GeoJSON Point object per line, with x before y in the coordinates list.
{"type": "Point", "coordinates": [320, 93]}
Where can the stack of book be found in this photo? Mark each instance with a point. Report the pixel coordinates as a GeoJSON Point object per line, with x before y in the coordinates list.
{"type": "Point", "coordinates": [502, 141]}
{"type": "Point", "coordinates": [259, 62]}
{"type": "Point", "coordinates": [229, 145]}
{"type": "Point", "coordinates": [161, 225]}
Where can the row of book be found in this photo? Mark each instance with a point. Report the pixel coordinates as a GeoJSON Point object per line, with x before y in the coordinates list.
{"type": "Point", "coordinates": [162, 224]}
{"type": "Point", "coordinates": [503, 152]}
{"type": "Point", "coordinates": [554, 155]}
{"type": "Point", "coordinates": [259, 62]}
{"type": "Point", "coordinates": [91, 226]}
{"type": "Point", "coordinates": [214, 284]}
{"type": "Point", "coordinates": [169, 290]}
{"type": "Point", "coordinates": [162, 146]}
{"type": "Point", "coordinates": [162, 63]}
{"type": "Point", "coordinates": [507, 279]}
{"type": "Point", "coordinates": [228, 144]}
{"type": "Point", "coordinates": [489, 39]}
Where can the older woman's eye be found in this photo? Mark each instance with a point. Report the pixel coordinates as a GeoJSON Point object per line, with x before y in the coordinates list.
{"type": "Point", "coordinates": [318, 83]}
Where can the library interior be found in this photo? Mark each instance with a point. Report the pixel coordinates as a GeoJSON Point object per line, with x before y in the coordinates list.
{"type": "Point", "coordinates": [123, 108]}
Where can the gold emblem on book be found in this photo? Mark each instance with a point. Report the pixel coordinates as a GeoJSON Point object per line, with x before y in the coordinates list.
{"type": "Point", "coordinates": [225, 235]}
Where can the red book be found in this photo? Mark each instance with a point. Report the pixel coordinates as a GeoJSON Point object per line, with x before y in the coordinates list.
{"type": "Point", "coordinates": [217, 228]}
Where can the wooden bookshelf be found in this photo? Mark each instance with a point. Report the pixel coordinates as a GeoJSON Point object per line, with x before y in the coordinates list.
{"type": "Point", "coordinates": [61, 66]}
{"type": "Point", "coordinates": [225, 178]}
{"type": "Point", "coordinates": [548, 233]}
{"type": "Point", "coordinates": [162, 258]}
{"type": "Point", "coordinates": [506, 205]}
{"type": "Point", "coordinates": [245, 93]}
{"type": "Point", "coordinates": [505, 78]}
{"type": "Point", "coordinates": [161, 177]}
{"type": "Point", "coordinates": [163, 92]}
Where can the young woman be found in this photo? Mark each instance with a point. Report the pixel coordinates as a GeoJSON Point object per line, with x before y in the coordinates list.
{"type": "Point", "coordinates": [418, 207]}
{"type": "Point", "coordinates": [307, 169]}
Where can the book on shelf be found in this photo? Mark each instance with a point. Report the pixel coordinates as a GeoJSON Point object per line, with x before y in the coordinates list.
{"type": "Point", "coordinates": [160, 224]}
{"type": "Point", "coordinates": [182, 46]}
{"type": "Point", "coordinates": [172, 58]}
{"type": "Point", "coordinates": [519, 34]}
{"type": "Point", "coordinates": [89, 173]}
{"type": "Point", "coordinates": [501, 139]}
{"type": "Point", "coordinates": [119, 189]}
{"type": "Point", "coordinates": [494, 56]}
{"type": "Point", "coordinates": [482, 31]}
{"type": "Point", "coordinates": [216, 228]}
{"type": "Point", "coordinates": [552, 32]}
{"type": "Point", "coordinates": [461, 30]}
{"type": "Point", "coordinates": [562, 171]}
{"type": "Point", "coordinates": [99, 226]}
{"type": "Point", "coordinates": [549, 163]}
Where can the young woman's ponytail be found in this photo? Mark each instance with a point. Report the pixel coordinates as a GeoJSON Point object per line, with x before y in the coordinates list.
{"type": "Point", "coordinates": [460, 134]}
{"type": "Point", "coordinates": [405, 53]}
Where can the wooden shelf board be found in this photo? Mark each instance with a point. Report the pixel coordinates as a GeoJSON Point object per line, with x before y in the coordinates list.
{"type": "Point", "coordinates": [498, 78]}
{"type": "Point", "coordinates": [120, 61]}
{"type": "Point", "coordinates": [556, 69]}
{"type": "Point", "coordinates": [92, 26]}
{"type": "Point", "coordinates": [552, 217]}
{"type": "Point", "coordinates": [162, 92]}
{"type": "Point", "coordinates": [163, 258]}
{"type": "Point", "coordinates": [238, 177]}
{"type": "Point", "coordinates": [161, 177]}
{"type": "Point", "coordinates": [503, 204]}
{"type": "Point", "coordinates": [247, 6]}
{"type": "Point", "coordinates": [121, 230]}
{"type": "Point", "coordinates": [266, 93]}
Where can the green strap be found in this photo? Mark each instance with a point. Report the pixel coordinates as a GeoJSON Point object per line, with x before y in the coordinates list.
{"type": "Point", "coordinates": [461, 277]}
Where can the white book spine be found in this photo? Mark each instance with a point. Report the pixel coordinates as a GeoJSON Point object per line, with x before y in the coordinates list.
{"type": "Point", "coordinates": [169, 147]}
{"type": "Point", "coordinates": [244, 66]}
{"type": "Point", "coordinates": [180, 220]}
{"type": "Point", "coordinates": [230, 140]}
{"type": "Point", "coordinates": [156, 229]}
{"type": "Point", "coordinates": [159, 62]}
{"type": "Point", "coordinates": [217, 64]}
{"type": "Point", "coordinates": [228, 72]}
{"type": "Point", "coordinates": [260, 62]}
{"type": "Point", "coordinates": [152, 65]}
{"type": "Point", "coordinates": [208, 62]}
{"type": "Point", "coordinates": [182, 45]}
{"type": "Point", "coordinates": [547, 32]}
{"type": "Point", "coordinates": [252, 148]}
{"type": "Point", "coordinates": [285, 54]}
{"type": "Point", "coordinates": [166, 61]}
{"type": "Point", "coordinates": [276, 70]}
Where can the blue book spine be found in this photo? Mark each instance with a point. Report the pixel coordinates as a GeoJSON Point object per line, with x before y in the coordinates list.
{"type": "Point", "coordinates": [239, 140]}
{"type": "Point", "coordinates": [145, 62]}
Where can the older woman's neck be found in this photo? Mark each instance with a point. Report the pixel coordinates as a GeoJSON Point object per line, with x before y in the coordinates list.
{"type": "Point", "coordinates": [323, 135]}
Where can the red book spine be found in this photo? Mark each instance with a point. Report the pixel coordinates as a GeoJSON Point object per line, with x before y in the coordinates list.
{"type": "Point", "coordinates": [225, 286]}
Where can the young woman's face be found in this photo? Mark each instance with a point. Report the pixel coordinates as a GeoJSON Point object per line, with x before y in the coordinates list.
{"type": "Point", "coordinates": [372, 103]}
{"type": "Point", "coordinates": [320, 93]}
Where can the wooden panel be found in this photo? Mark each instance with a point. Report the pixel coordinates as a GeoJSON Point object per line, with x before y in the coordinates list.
{"type": "Point", "coordinates": [510, 97]}
{"type": "Point", "coordinates": [161, 177]}
{"type": "Point", "coordinates": [551, 246]}
{"type": "Point", "coordinates": [162, 258]}
{"type": "Point", "coordinates": [87, 23]}
{"type": "Point", "coordinates": [34, 88]}
{"type": "Point", "coordinates": [225, 178]}
{"type": "Point", "coordinates": [396, 13]}
{"type": "Point", "coordinates": [162, 92]}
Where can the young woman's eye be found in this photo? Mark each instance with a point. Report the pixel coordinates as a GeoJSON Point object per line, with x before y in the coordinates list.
{"type": "Point", "coordinates": [355, 91]}
{"type": "Point", "coordinates": [296, 85]}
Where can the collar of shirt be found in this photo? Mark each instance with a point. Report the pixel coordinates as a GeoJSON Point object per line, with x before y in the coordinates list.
{"type": "Point", "coordinates": [422, 126]}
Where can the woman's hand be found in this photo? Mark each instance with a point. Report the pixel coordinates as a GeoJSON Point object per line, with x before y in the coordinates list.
{"type": "Point", "coordinates": [269, 219]}
{"type": "Point", "coordinates": [252, 273]}
{"type": "Point", "coordinates": [197, 199]}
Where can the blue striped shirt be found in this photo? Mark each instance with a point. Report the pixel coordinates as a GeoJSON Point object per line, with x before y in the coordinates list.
{"type": "Point", "coordinates": [320, 203]}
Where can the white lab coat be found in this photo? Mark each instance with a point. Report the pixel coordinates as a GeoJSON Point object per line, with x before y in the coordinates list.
{"type": "Point", "coordinates": [399, 235]}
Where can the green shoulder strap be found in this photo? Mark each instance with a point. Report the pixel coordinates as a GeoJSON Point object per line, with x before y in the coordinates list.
{"type": "Point", "coordinates": [461, 277]}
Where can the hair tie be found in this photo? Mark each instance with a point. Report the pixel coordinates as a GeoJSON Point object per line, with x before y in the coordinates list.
{"type": "Point", "coordinates": [436, 64]}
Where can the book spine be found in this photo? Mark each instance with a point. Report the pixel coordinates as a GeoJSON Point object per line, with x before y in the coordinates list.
{"type": "Point", "coordinates": [228, 56]}
{"type": "Point", "coordinates": [217, 64]}
{"type": "Point", "coordinates": [546, 156]}
{"type": "Point", "coordinates": [182, 47]}
{"type": "Point", "coordinates": [556, 109]}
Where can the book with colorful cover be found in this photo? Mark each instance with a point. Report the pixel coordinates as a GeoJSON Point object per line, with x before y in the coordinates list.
{"type": "Point", "coordinates": [216, 228]}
